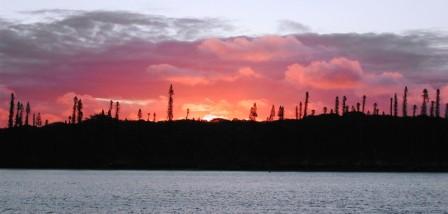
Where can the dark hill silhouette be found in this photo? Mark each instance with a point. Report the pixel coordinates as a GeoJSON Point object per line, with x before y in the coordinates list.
{"type": "Point", "coordinates": [326, 142]}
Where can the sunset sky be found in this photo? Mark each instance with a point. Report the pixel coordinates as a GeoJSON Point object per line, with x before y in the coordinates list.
{"type": "Point", "coordinates": [220, 56]}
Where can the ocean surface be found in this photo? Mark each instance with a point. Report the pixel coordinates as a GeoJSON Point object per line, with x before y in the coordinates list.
{"type": "Point", "coordinates": [79, 191]}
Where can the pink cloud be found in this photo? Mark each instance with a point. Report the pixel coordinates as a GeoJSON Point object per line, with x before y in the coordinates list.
{"type": "Point", "coordinates": [338, 73]}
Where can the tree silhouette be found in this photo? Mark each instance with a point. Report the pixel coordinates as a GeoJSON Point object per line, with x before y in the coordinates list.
{"type": "Point", "coordinates": [358, 107]}
{"type": "Point", "coordinates": [437, 107]}
{"type": "Point", "coordinates": [11, 111]}
{"type": "Point", "coordinates": [325, 110]}
{"type": "Point", "coordinates": [272, 114]}
{"type": "Point", "coordinates": [364, 98]}
{"type": "Point", "coordinates": [28, 110]}
{"type": "Point", "coordinates": [253, 113]}
{"type": "Point", "coordinates": [38, 120]}
{"type": "Point", "coordinates": [281, 113]}
{"type": "Point", "coordinates": [391, 106]}
{"type": "Point", "coordinates": [79, 111]}
{"type": "Point", "coordinates": [336, 105]}
{"type": "Point", "coordinates": [424, 109]}
{"type": "Point", "coordinates": [19, 112]}
{"type": "Point", "coordinates": [395, 105]}
{"type": "Point", "coordinates": [34, 119]}
{"type": "Point", "coordinates": [154, 117]}
{"type": "Point", "coordinates": [117, 110]}
{"type": "Point", "coordinates": [149, 115]}
{"type": "Point", "coordinates": [139, 114]}
{"type": "Point", "coordinates": [305, 111]}
{"type": "Point", "coordinates": [170, 103]}
{"type": "Point", "coordinates": [405, 102]}
{"type": "Point", "coordinates": [297, 112]}
{"type": "Point", "coordinates": [75, 104]}
{"type": "Point", "coordinates": [344, 105]}
{"type": "Point", "coordinates": [414, 110]}
{"type": "Point", "coordinates": [431, 109]}
{"type": "Point", "coordinates": [111, 106]}
{"type": "Point", "coordinates": [300, 110]}
{"type": "Point", "coordinates": [375, 109]}
{"type": "Point", "coordinates": [188, 114]}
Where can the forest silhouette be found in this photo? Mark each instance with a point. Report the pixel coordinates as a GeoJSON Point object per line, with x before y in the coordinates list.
{"type": "Point", "coordinates": [343, 137]}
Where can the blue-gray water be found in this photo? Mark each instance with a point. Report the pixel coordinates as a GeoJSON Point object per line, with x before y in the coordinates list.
{"type": "Point", "coordinates": [59, 191]}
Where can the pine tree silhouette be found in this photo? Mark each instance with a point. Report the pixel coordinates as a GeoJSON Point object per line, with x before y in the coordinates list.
{"type": "Point", "coordinates": [253, 113]}
{"type": "Point", "coordinates": [437, 107]}
{"type": "Point", "coordinates": [305, 112]}
{"type": "Point", "coordinates": [75, 103]}
{"type": "Point", "coordinates": [188, 114]}
{"type": "Point", "coordinates": [405, 102]}
{"type": "Point", "coordinates": [431, 109]}
{"type": "Point", "coordinates": [46, 122]}
{"type": "Point", "coordinates": [391, 106]}
{"type": "Point", "coordinates": [336, 105]}
{"type": "Point", "coordinates": [414, 110]}
{"type": "Point", "coordinates": [325, 110]}
{"type": "Point", "coordinates": [300, 110]}
{"type": "Point", "coordinates": [17, 118]}
{"type": "Point", "coordinates": [375, 109]}
{"type": "Point", "coordinates": [28, 111]}
{"type": "Point", "coordinates": [364, 98]}
{"type": "Point", "coordinates": [297, 112]}
{"type": "Point", "coordinates": [11, 111]}
{"type": "Point", "coordinates": [395, 105]}
{"type": "Point", "coordinates": [38, 120]}
{"type": "Point", "coordinates": [80, 114]}
{"type": "Point", "coordinates": [272, 114]}
{"type": "Point", "coordinates": [139, 114]}
{"type": "Point", "coordinates": [344, 105]}
{"type": "Point", "coordinates": [358, 107]}
{"type": "Point", "coordinates": [170, 103]}
{"type": "Point", "coordinates": [281, 113]}
{"type": "Point", "coordinates": [149, 115]}
{"type": "Point", "coordinates": [424, 109]}
{"type": "Point", "coordinates": [111, 106]}
{"type": "Point", "coordinates": [117, 110]}
{"type": "Point", "coordinates": [154, 117]}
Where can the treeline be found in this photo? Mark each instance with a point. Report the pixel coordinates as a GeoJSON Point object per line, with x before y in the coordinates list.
{"type": "Point", "coordinates": [353, 141]}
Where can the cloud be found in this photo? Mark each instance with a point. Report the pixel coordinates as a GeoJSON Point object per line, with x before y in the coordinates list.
{"type": "Point", "coordinates": [254, 49]}
{"type": "Point", "coordinates": [289, 26]}
{"type": "Point", "coordinates": [338, 73]}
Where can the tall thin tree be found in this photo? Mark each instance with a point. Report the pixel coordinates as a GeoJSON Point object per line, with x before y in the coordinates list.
{"type": "Point", "coordinates": [431, 109]}
{"type": "Point", "coordinates": [11, 111]}
{"type": "Point", "coordinates": [75, 104]}
{"type": "Point", "coordinates": [414, 110]}
{"type": "Point", "coordinates": [80, 113]}
{"type": "Point", "coordinates": [364, 98]}
{"type": "Point", "coordinates": [28, 111]}
{"type": "Point", "coordinates": [170, 103]}
{"type": "Point", "coordinates": [272, 114]}
{"type": "Point", "coordinates": [344, 105]}
{"type": "Point", "coordinates": [405, 102]}
{"type": "Point", "coordinates": [336, 105]}
{"type": "Point", "coordinates": [395, 105]}
{"type": "Point", "coordinates": [391, 106]}
{"type": "Point", "coordinates": [437, 107]}
{"type": "Point", "coordinates": [305, 112]}
{"type": "Point", "coordinates": [253, 113]}
{"type": "Point", "coordinates": [117, 110]}
{"type": "Point", "coordinates": [139, 114]}
{"type": "Point", "coordinates": [424, 108]}
{"type": "Point", "coordinates": [111, 106]}
{"type": "Point", "coordinates": [300, 110]}
{"type": "Point", "coordinates": [297, 112]}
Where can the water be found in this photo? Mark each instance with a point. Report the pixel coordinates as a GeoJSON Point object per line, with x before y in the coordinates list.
{"type": "Point", "coordinates": [59, 191]}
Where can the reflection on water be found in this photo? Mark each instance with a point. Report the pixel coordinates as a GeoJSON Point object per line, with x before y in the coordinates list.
{"type": "Point", "coordinates": [38, 191]}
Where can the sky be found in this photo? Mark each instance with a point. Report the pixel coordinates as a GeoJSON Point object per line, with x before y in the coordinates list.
{"type": "Point", "coordinates": [220, 56]}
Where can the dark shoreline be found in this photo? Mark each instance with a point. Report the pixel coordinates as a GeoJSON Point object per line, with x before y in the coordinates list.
{"type": "Point", "coordinates": [352, 143]}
